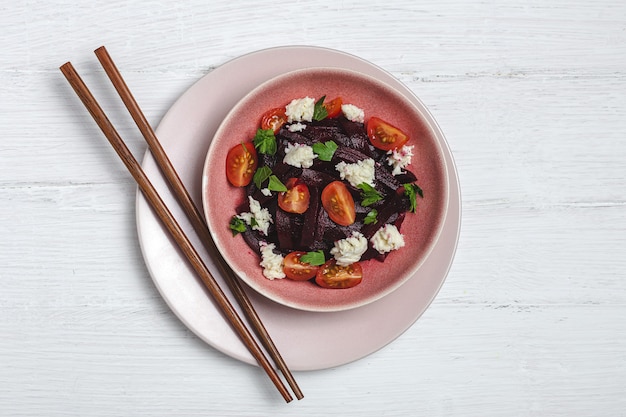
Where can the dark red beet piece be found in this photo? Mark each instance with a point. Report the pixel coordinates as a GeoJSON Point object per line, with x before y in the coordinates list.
{"type": "Point", "coordinates": [309, 218]}
{"type": "Point", "coordinates": [406, 177]}
{"type": "Point", "coordinates": [285, 228]}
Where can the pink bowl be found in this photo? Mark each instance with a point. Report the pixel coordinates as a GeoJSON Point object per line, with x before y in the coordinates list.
{"type": "Point", "coordinates": [420, 230]}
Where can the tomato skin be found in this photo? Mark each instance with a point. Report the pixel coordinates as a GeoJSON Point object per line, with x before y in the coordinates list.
{"type": "Point", "coordinates": [241, 163]}
{"type": "Point", "coordinates": [384, 135]}
{"type": "Point", "coordinates": [331, 275]}
{"type": "Point", "coordinates": [338, 203]}
{"type": "Point", "coordinates": [297, 270]}
{"type": "Point", "coordinates": [274, 119]}
{"type": "Point", "coordinates": [297, 197]}
{"type": "Point", "coordinates": [333, 107]}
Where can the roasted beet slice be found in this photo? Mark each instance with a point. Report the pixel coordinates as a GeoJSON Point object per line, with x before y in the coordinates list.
{"type": "Point", "coordinates": [406, 177]}
{"type": "Point", "coordinates": [348, 155]}
{"type": "Point", "coordinates": [285, 136]}
{"type": "Point", "coordinates": [316, 133]}
{"type": "Point", "coordinates": [253, 240]}
{"type": "Point", "coordinates": [310, 219]}
{"type": "Point", "coordinates": [315, 178]}
{"type": "Point", "coordinates": [351, 128]}
{"type": "Point", "coordinates": [289, 229]}
{"type": "Point", "coordinates": [356, 138]}
{"type": "Point", "coordinates": [384, 177]}
{"type": "Point", "coordinates": [393, 205]}
{"type": "Point", "coordinates": [267, 160]}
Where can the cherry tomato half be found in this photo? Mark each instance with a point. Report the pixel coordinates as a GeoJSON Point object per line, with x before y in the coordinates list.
{"type": "Point", "coordinates": [241, 163]}
{"type": "Point", "coordinates": [385, 136]}
{"type": "Point", "coordinates": [274, 119]}
{"type": "Point", "coordinates": [296, 269]}
{"type": "Point", "coordinates": [333, 107]}
{"type": "Point", "coordinates": [296, 198]}
{"type": "Point", "coordinates": [338, 203]}
{"type": "Point", "coordinates": [331, 275]}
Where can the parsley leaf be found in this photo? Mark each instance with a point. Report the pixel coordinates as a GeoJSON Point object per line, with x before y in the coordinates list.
{"type": "Point", "coordinates": [237, 225]}
{"type": "Point", "coordinates": [326, 150]}
{"type": "Point", "coordinates": [369, 194]}
{"type": "Point", "coordinates": [412, 191]}
{"type": "Point", "coordinates": [265, 141]}
{"type": "Point", "coordinates": [261, 175]}
{"type": "Point", "coordinates": [275, 184]}
{"type": "Point", "coordinates": [313, 258]}
{"type": "Point", "coordinates": [371, 217]}
{"type": "Point", "coordinates": [319, 111]}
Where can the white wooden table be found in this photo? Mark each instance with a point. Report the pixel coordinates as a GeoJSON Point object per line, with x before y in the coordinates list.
{"type": "Point", "coordinates": [531, 320]}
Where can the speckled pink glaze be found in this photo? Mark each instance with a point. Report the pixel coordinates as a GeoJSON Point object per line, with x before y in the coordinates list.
{"type": "Point", "coordinates": [420, 230]}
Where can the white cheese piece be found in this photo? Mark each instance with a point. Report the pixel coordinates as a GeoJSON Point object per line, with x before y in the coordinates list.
{"type": "Point", "coordinates": [357, 173]}
{"type": "Point", "coordinates": [266, 192]}
{"type": "Point", "coordinates": [400, 159]}
{"type": "Point", "coordinates": [258, 218]}
{"type": "Point", "coordinates": [272, 263]}
{"type": "Point", "coordinates": [300, 110]}
{"type": "Point", "coordinates": [387, 238]}
{"type": "Point", "coordinates": [353, 113]}
{"type": "Point", "coordinates": [299, 155]}
{"type": "Point", "coordinates": [296, 127]}
{"type": "Point", "coordinates": [349, 250]}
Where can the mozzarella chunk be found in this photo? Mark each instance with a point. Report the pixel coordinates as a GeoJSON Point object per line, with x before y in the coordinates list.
{"type": "Point", "coordinates": [299, 155]}
{"type": "Point", "coordinates": [353, 113]}
{"type": "Point", "coordinates": [400, 159]}
{"type": "Point", "coordinates": [259, 218]}
{"type": "Point", "coordinates": [296, 127]}
{"type": "Point", "coordinates": [387, 238]}
{"type": "Point", "coordinates": [300, 110]}
{"type": "Point", "coordinates": [357, 173]}
{"type": "Point", "coordinates": [349, 250]}
{"type": "Point", "coordinates": [272, 263]}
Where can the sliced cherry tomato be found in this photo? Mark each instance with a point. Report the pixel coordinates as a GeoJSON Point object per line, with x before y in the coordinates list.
{"type": "Point", "coordinates": [296, 198]}
{"type": "Point", "coordinates": [296, 269]}
{"type": "Point", "coordinates": [274, 119]}
{"type": "Point", "coordinates": [333, 107]}
{"type": "Point", "coordinates": [385, 136]}
{"type": "Point", "coordinates": [338, 203]}
{"type": "Point", "coordinates": [331, 275]}
{"type": "Point", "coordinates": [241, 163]}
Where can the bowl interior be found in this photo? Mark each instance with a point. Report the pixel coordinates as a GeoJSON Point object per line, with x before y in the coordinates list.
{"type": "Point", "coordinates": [420, 229]}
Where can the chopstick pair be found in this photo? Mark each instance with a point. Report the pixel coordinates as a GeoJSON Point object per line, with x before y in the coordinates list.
{"type": "Point", "coordinates": [192, 212]}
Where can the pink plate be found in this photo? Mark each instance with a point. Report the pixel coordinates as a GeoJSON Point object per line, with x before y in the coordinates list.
{"type": "Point", "coordinates": [307, 340]}
{"type": "Point", "coordinates": [376, 98]}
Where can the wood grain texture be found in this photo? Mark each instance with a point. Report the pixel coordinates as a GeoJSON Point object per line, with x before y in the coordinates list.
{"type": "Point", "coordinates": [530, 322]}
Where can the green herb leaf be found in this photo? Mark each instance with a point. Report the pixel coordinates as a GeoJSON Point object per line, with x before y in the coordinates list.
{"type": "Point", "coordinates": [237, 225]}
{"type": "Point", "coordinates": [275, 184]}
{"type": "Point", "coordinates": [369, 194]}
{"type": "Point", "coordinates": [412, 191]}
{"type": "Point", "coordinates": [371, 217]}
{"type": "Point", "coordinates": [326, 150]}
{"type": "Point", "coordinates": [265, 141]}
{"type": "Point", "coordinates": [261, 175]}
{"type": "Point", "coordinates": [319, 111]}
{"type": "Point", "coordinates": [314, 258]}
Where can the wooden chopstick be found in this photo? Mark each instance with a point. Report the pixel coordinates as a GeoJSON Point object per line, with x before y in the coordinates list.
{"type": "Point", "coordinates": [191, 210]}
{"type": "Point", "coordinates": [171, 224]}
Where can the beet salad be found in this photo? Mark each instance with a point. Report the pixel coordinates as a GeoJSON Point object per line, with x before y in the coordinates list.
{"type": "Point", "coordinates": [326, 187]}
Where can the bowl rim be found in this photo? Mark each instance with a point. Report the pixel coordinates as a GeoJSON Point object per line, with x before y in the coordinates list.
{"type": "Point", "coordinates": [425, 117]}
